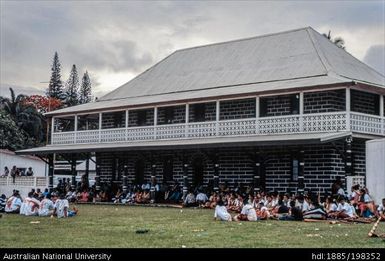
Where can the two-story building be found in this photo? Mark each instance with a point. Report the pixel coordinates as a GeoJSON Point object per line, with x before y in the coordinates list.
{"type": "Point", "coordinates": [287, 112]}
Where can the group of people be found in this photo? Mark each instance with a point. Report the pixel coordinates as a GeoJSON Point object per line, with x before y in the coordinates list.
{"type": "Point", "coordinates": [37, 203]}
{"type": "Point", "coordinates": [296, 207]}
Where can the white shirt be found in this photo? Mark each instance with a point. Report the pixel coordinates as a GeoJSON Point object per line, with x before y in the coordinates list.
{"type": "Point", "coordinates": [250, 212]}
{"type": "Point", "coordinates": [24, 206]}
{"type": "Point", "coordinates": [346, 208]}
{"type": "Point", "coordinates": [12, 204]}
{"type": "Point", "coordinates": [31, 207]}
{"type": "Point", "coordinates": [381, 208]}
{"type": "Point", "coordinates": [341, 191]}
{"type": "Point", "coordinates": [305, 206]}
{"type": "Point", "coordinates": [367, 198]}
{"type": "Point", "coordinates": [202, 197]}
{"type": "Point", "coordinates": [60, 204]}
{"type": "Point", "coordinates": [45, 206]}
{"type": "Point", "coordinates": [221, 213]}
{"type": "Point", "coordinates": [333, 207]}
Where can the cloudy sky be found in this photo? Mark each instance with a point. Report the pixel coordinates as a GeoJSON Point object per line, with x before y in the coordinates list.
{"type": "Point", "coordinates": [117, 40]}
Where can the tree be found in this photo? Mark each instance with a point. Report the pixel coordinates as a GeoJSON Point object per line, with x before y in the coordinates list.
{"type": "Point", "coordinates": [12, 138]}
{"type": "Point", "coordinates": [72, 88]}
{"type": "Point", "coordinates": [55, 87]}
{"type": "Point", "coordinates": [85, 89]}
{"type": "Point", "coordinates": [43, 104]}
{"type": "Point", "coordinates": [25, 116]}
{"type": "Point", "coordinates": [337, 40]}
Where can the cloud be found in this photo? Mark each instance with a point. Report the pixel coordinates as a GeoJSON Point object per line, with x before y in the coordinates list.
{"type": "Point", "coordinates": [375, 57]}
{"type": "Point", "coordinates": [116, 40]}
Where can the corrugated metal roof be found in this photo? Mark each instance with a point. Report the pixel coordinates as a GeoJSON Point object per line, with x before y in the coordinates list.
{"type": "Point", "coordinates": [191, 143]}
{"type": "Point", "coordinates": [291, 59]}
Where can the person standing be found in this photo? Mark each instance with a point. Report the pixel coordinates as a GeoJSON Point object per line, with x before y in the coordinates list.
{"type": "Point", "coordinates": [13, 174]}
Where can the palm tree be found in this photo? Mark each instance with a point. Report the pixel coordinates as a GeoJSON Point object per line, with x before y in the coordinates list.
{"type": "Point", "coordinates": [25, 115]}
{"type": "Point", "coordinates": [337, 40]}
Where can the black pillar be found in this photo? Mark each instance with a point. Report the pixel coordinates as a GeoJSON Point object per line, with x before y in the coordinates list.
{"type": "Point", "coordinates": [87, 170]}
{"type": "Point", "coordinates": [153, 179]}
{"type": "Point", "coordinates": [257, 173]}
{"type": "Point", "coordinates": [185, 180]}
{"type": "Point", "coordinates": [50, 172]}
{"type": "Point", "coordinates": [97, 176]}
{"type": "Point", "coordinates": [348, 158]}
{"type": "Point", "coordinates": [73, 172]}
{"type": "Point", "coordinates": [301, 172]}
{"type": "Point", "coordinates": [125, 175]}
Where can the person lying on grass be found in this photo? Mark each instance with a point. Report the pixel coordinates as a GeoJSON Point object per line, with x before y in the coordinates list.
{"type": "Point", "coordinates": [221, 212]}
{"type": "Point", "coordinates": [61, 209]}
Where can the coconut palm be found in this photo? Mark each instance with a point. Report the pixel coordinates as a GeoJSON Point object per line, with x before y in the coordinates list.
{"type": "Point", "coordinates": [337, 40]}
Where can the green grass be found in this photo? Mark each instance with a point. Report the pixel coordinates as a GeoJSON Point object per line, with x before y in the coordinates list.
{"type": "Point", "coordinates": [116, 226]}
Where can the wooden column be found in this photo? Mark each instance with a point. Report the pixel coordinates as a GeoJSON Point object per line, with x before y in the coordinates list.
{"type": "Point", "coordinates": [97, 176]}
{"type": "Point", "coordinates": [185, 180]}
{"type": "Point", "coordinates": [125, 175]}
{"type": "Point", "coordinates": [301, 172]}
{"type": "Point", "coordinates": [50, 172]}
{"type": "Point", "coordinates": [257, 173]}
{"type": "Point", "coordinates": [153, 176]}
{"type": "Point", "coordinates": [348, 107]}
{"type": "Point", "coordinates": [348, 158]}
{"type": "Point", "coordinates": [73, 172]}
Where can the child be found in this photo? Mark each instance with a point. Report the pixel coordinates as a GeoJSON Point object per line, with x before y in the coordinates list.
{"type": "Point", "coordinates": [344, 210]}
{"type": "Point", "coordinates": [221, 212]}
{"type": "Point", "coordinates": [248, 213]}
{"type": "Point", "coordinates": [61, 209]}
{"type": "Point", "coordinates": [31, 206]}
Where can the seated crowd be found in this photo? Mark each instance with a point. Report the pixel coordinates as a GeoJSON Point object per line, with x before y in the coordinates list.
{"type": "Point", "coordinates": [37, 203]}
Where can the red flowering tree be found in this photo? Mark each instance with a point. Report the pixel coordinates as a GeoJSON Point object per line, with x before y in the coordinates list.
{"type": "Point", "coordinates": [43, 104]}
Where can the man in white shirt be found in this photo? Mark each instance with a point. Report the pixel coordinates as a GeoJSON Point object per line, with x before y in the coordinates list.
{"type": "Point", "coordinates": [221, 212]}
{"type": "Point", "coordinates": [201, 198]}
{"type": "Point", "coordinates": [46, 207]}
{"type": "Point", "coordinates": [248, 213]}
{"type": "Point", "coordinates": [62, 208]}
{"type": "Point", "coordinates": [344, 209]}
{"type": "Point", "coordinates": [31, 206]}
{"type": "Point", "coordinates": [13, 203]}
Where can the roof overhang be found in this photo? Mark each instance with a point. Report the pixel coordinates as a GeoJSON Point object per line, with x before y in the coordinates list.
{"type": "Point", "coordinates": [245, 141]}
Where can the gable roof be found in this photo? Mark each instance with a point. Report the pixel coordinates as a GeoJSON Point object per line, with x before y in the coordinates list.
{"type": "Point", "coordinates": [291, 59]}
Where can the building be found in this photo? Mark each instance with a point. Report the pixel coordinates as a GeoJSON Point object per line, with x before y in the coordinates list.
{"type": "Point", "coordinates": [286, 112]}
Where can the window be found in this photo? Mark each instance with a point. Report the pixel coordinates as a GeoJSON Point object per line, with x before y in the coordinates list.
{"type": "Point", "coordinates": [64, 124]}
{"type": "Point", "coordinates": [88, 122]}
{"type": "Point", "coordinates": [263, 107]}
{"type": "Point", "coordinates": [113, 120]}
{"type": "Point", "coordinates": [142, 117]}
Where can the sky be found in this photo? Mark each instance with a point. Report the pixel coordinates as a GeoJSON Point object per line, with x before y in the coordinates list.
{"type": "Point", "coordinates": [116, 40]}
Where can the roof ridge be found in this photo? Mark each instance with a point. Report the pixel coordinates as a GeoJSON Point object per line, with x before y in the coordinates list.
{"type": "Point", "coordinates": [245, 39]}
{"type": "Point", "coordinates": [320, 53]}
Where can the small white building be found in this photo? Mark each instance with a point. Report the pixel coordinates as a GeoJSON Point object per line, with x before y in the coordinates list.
{"type": "Point", "coordinates": [375, 169]}
{"type": "Point", "coordinates": [22, 162]}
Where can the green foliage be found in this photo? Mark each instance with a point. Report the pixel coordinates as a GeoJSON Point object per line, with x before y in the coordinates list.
{"type": "Point", "coordinates": [85, 89]}
{"type": "Point", "coordinates": [55, 88]}
{"type": "Point", "coordinates": [72, 88]}
{"type": "Point", "coordinates": [12, 138]}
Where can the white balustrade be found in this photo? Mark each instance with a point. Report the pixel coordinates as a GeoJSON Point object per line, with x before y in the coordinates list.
{"type": "Point", "coordinates": [237, 127]}
{"type": "Point", "coordinates": [24, 181]}
{"type": "Point", "coordinates": [366, 123]}
{"type": "Point", "coordinates": [308, 123]}
{"type": "Point", "coordinates": [279, 124]}
{"type": "Point", "coordinates": [325, 122]}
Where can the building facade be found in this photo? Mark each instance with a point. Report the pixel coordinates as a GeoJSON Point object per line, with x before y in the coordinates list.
{"type": "Point", "coordinates": [285, 112]}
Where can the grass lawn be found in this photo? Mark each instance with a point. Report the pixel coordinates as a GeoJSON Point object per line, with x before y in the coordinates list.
{"type": "Point", "coordinates": [116, 226]}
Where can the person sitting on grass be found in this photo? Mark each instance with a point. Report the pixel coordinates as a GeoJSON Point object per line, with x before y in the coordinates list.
{"type": "Point", "coordinates": [61, 209]}
{"type": "Point", "coordinates": [83, 197]}
{"type": "Point", "coordinates": [316, 211]}
{"type": "Point", "coordinates": [331, 208]}
{"type": "Point", "coordinates": [189, 201]}
{"type": "Point", "coordinates": [302, 203]}
{"type": "Point", "coordinates": [201, 199]}
{"type": "Point", "coordinates": [221, 212]}
{"type": "Point", "coordinates": [248, 213]}
{"type": "Point", "coordinates": [381, 210]}
{"type": "Point", "coordinates": [282, 210]}
{"type": "Point", "coordinates": [366, 204]}
{"type": "Point", "coordinates": [13, 204]}
{"type": "Point", "coordinates": [344, 209]}
{"type": "Point", "coordinates": [46, 207]}
{"type": "Point", "coordinates": [295, 213]}
{"type": "Point", "coordinates": [212, 203]}
{"type": "Point", "coordinates": [31, 205]}
{"type": "Point", "coordinates": [146, 196]}
{"type": "Point", "coordinates": [174, 195]}
{"type": "Point", "coordinates": [3, 200]}
{"type": "Point", "coordinates": [262, 211]}
{"type": "Point", "coordinates": [238, 204]}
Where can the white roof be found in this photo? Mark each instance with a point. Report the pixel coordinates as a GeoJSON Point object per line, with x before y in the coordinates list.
{"type": "Point", "coordinates": [192, 143]}
{"type": "Point", "coordinates": [292, 59]}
